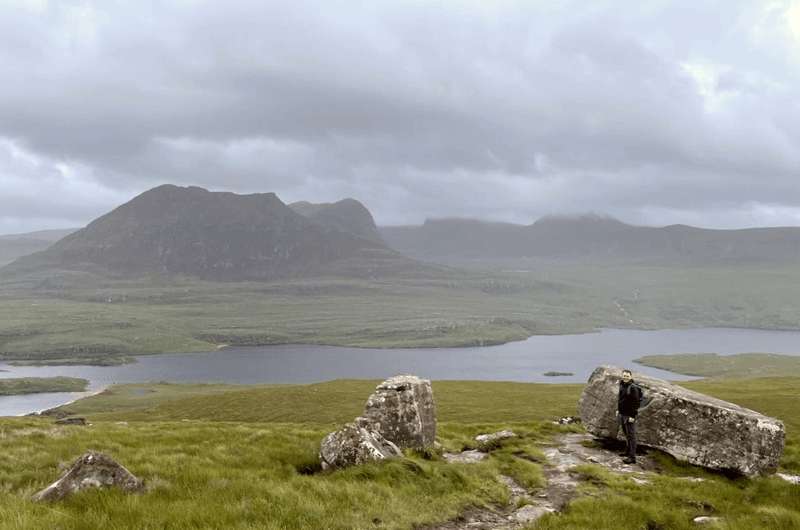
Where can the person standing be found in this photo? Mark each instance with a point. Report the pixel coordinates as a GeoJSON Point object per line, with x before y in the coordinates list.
{"type": "Point", "coordinates": [628, 402]}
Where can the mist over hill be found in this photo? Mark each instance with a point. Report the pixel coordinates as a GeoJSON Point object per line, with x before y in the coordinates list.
{"type": "Point", "coordinates": [593, 237]}
{"type": "Point", "coordinates": [13, 246]}
{"type": "Point", "coordinates": [190, 231]}
{"type": "Point", "coordinates": [347, 215]}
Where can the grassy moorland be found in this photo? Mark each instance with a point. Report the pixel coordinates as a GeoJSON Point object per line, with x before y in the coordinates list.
{"type": "Point", "coordinates": [82, 317]}
{"type": "Point", "coordinates": [713, 365]}
{"type": "Point", "coordinates": [34, 385]}
{"type": "Point", "coordinates": [246, 457]}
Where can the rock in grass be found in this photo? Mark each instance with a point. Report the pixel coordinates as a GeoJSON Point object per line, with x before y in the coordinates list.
{"type": "Point", "coordinates": [705, 519]}
{"type": "Point", "coordinates": [92, 470]}
{"type": "Point", "coordinates": [490, 441]}
{"type": "Point", "coordinates": [355, 444]}
{"type": "Point", "coordinates": [791, 479]}
{"type": "Point", "coordinates": [470, 456]}
{"type": "Point", "coordinates": [402, 410]}
{"type": "Point", "coordinates": [690, 426]}
{"type": "Point", "coordinates": [71, 421]}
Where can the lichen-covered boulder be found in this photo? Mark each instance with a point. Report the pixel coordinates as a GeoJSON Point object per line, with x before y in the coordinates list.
{"type": "Point", "coordinates": [92, 470]}
{"type": "Point", "coordinates": [690, 426]}
{"type": "Point", "coordinates": [403, 411]}
{"type": "Point", "coordinates": [353, 445]}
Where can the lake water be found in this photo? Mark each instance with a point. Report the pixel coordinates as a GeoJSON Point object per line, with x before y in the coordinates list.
{"type": "Point", "coordinates": [525, 361]}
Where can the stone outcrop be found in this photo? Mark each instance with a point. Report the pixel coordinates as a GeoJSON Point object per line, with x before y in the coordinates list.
{"type": "Point", "coordinates": [402, 410]}
{"type": "Point", "coordinates": [492, 440]}
{"type": "Point", "coordinates": [690, 426]}
{"type": "Point", "coordinates": [92, 470]}
{"type": "Point", "coordinates": [71, 421]}
{"type": "Point", "coordinates": [399, 414]}
{"type": "Point", "coordinates": [355, 444]}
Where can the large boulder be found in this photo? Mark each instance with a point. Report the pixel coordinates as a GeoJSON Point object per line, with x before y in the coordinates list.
{"type": "Point", "coordinates": [690, 426]}
{"type": "Point", "coordinates": [92, 470]}
{"type": "Point", "coordinates": [402, 410]}
{"type": "Point", "coordinates": [355, 444]}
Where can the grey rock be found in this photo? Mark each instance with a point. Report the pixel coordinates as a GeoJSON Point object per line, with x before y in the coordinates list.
{"type": "Point", "coordinates": [705, 519]}
{"type": "Point", "coordinates": [530, 513]}
{"type": "Point", "coordinates": [470, 456]}
{"type": "Point", "coordinates": [402, 410]}
{"type": "Point", "coordinates": [487, 441]}
{"type": "Point", "coordinates": [690, 426]}
{"type": "Point", "coordinates": [792, 479]}
{"type": "Point", "coordinates": [92, 470]}
{"type": "Point", "coordinates": [71, 421]}
{"type": "Point", "coordinates": [353, 445]}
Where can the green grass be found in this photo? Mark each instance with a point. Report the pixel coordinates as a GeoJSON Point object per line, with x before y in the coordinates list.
{"type": "Point", "coordinates": [35, 385]}
{"type": "Point", "coordinates": [223, 456]}
{"type": "Point", "coordinates": [83, 318]}
{"type": "Point", "coordinates": [115, 360]}
{"type": "Point", "coordinates": [713, 365]}
{"type": "Point", "coordinates": [331, 402]}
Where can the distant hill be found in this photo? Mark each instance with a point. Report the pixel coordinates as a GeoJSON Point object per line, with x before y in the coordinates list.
{"type": "Point", "coordinates": [592, 237]}
{"type": "Point", "coordinates": [215, 236]}
{"type": "Point", "coordinates": [13, 246]}
{"type": "Point", "coordinates": [347, 215]}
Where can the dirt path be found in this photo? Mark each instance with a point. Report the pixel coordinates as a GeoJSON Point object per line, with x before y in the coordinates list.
{"type": "Point", "coordinates": [525, 507]}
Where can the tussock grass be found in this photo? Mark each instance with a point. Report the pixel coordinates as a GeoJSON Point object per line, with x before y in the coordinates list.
{"type": "Point", "coordinates": [250, 461]}
{"type": "Point", "coordinates": [735, 366]}
{"type": "Point", "coordinates": [34, 385]}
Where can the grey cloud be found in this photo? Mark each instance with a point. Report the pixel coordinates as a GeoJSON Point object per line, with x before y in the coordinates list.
{"type": "Point", "coordinates": [507, 111]}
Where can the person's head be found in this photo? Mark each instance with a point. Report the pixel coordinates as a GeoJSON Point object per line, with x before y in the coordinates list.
{"type": "Point", "coordinates": [627, 376]}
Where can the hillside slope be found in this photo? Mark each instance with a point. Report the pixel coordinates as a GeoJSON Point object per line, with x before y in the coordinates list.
{"type": "Point", "coordinates": [215, 236]}
{"type": "Point", "coordinates": [594, 237]}
{"type": "Point", "coordinates": [347, 215]}
{"type": "Point", "coordinates": [13, 246]}
{"type": "Point", "coordinates": [247, 457]}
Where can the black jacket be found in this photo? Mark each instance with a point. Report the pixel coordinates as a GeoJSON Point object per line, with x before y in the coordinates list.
{"type": "Point", "coordinates": [629, 399]}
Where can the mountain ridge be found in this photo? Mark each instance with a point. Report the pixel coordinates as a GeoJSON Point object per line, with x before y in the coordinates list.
{"type": "Point", "coordinates": [590, 237]}
{"type": "Point", "coordinates": [347, 215]}
{"type": "Point", "coordinates": [211, 235]}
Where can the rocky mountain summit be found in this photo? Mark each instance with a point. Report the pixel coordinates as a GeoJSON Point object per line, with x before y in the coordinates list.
{"type": "Point", "coordinates": [170, 230]}
{"type": "Point", "coordinates": [347, 215]}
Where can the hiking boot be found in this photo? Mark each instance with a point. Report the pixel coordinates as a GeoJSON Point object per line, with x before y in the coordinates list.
{"type": "Point", "coordinates": [629, 460]}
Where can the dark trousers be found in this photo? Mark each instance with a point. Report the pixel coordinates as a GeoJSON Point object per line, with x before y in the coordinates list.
{"type": "Point", "coordinates": [629, 428]}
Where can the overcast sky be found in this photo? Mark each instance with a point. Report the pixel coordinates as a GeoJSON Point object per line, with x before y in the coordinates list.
{"type": "Point", "coordinates": [653, 112]}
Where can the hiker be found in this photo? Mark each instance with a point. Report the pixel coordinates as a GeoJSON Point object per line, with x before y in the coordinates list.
{"type": "Point", "coordinates": [628, 401]}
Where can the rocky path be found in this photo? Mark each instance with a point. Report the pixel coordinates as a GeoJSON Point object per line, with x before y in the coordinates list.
{"type": "Point", "coordinates": [624, 312]}
{"type": "Point", "coordinates": [525, 507]}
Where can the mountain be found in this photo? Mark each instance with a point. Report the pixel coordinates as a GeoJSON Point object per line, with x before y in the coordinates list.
{"type": "Point", "coordinates": [13, 246]}
{"type": "Point", "coordinates": [592, 237]}
{"type": "Point", "coordinates": [215, 236]}
{"type": "Point", "coordinates": [456, 238]}
{"type": "Point", "coordinates": [347, 215]}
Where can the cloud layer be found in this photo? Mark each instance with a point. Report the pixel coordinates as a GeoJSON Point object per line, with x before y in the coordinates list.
{"type": "Point", "coordinates": [653, 112]}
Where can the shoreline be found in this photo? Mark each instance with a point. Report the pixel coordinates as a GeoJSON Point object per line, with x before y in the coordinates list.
{"type": "Point", "coordinates": [88, 395]}
{"type": "Point", "coordinates": [455, 346]}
